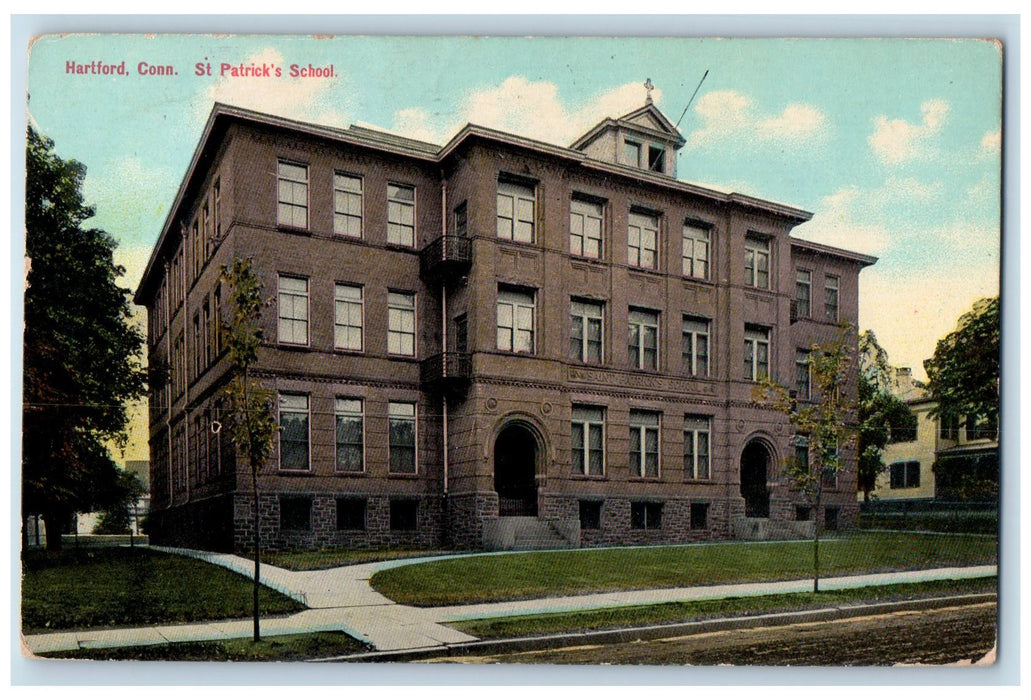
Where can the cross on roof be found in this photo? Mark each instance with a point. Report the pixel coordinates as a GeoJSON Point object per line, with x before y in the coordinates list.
{"type": "Point", "coordinates": [649, 87]}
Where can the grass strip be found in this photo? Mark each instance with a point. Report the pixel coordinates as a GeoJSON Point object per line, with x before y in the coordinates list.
{"type": "Point", "coordinates": [289, 647]}
{"type": "Point", "coordinates": [119, 587]}
{"type": "Point", "coordinates": [691, 611]}
{"type": "Point", "coordinates": [572, 572]}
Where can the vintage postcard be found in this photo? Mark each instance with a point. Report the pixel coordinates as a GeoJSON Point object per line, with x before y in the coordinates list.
{"type": "Point", "coordinates": [621, 351]}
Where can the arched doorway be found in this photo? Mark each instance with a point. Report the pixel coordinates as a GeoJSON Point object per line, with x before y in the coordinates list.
{"type": "Point", "coordinates": [755, 464]}
{"type": "Point", "coordinates": [515, 469]}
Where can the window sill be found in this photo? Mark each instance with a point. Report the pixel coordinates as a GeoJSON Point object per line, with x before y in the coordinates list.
{"type": "Point", "coordinates": [404, 475]}
{"type": "Point", "coordinates": [589, 477]}
{"type": "Point", "coordinates": [293, 348]}
{"type": "Point", "coordinates": [699, 482]}
{"type": "Point", "coordinates": [296, 472]}
{"type": "Point", "coordinates": [356, 474]}
{"type": "Point", "coordinates": [402, 248]}
{"type": "Point", "coordinates": [349, 353]}
{"type": "Point", "coordinates": [286, 228]}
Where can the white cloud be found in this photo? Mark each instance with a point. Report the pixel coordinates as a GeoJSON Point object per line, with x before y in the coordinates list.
{"type": "Point", "coordinates": [728, 114]}
{"type": "Point", "coordinates": [837, 223]}
{"type": "Point", "coordinates": [910, 313]}
{"type": "Point", "coordinates": [896, 141]}
{"type": "Point", "coordinates": [307, 99]}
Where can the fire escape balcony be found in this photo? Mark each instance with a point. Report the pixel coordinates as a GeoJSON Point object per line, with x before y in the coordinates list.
{"type": "Point", "coordinates": [446, 258]}
{"type": "Point", "coordinates": [449, 372]}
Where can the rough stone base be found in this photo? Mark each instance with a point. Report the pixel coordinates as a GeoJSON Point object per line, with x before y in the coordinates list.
{"type": "Point", "coordinates": [206, 524]}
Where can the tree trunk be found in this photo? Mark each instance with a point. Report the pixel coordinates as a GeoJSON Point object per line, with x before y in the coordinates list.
{"type": "Point", "coordinates": [257, 557]}
{"type": "Point", "coordinates": [54, 524]}
{"type": "Point", "coordinates": [816, 542]}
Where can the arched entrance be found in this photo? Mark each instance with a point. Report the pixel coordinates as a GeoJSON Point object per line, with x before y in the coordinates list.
{"type": "Point", "coordinates": [755, 464]}
{"type": "Point", "coordinates": [515, 469]}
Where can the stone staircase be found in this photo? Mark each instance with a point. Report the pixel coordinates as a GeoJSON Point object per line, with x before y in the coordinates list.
{"type": "Point", "coordinates": [766, 529]}
{"type": "Point", "coordinates": [529, 532]}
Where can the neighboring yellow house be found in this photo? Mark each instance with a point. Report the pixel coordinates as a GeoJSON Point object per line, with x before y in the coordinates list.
{"type": "Point", "coordinates": [910, 461]}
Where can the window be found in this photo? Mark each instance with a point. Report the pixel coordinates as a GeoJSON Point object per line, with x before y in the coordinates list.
{"type": "Point", "coordinates": [462, 334]}
{"type": "Point", "coordinates": [829, 477]}
{"type": "Point", "coordinates": [803, 293]}
{"type": "Point", "coordinates": [981, 427]}
{"type": "Point", "coordinates": [585, 226]}
{"type": "Point", "coordinates": [802, 453]}
{"type": "Point", "coordinates": [293, 310]}
{"type": "Point", "coordinates": [802, 513]}
{"type": "Point", "coordinates": [515, 320]}
{"type": "Point", "coordinates": [587, 438]}
{"type": "Point", "coordinates": [757, 353]}
{"type": "Point", "coordinates": [948, 427]}
{"type": "Point", "coordinates": [216, 220]}
{"type": "Point", "coordinates": [586, 331]}
{"type": "Point", "coordinates": [460, 221]}
{"type": "Point", "coordinates": [643, 338]}
{"type": "Point", "coordinates": [830, 518]}
{"type": "Point", "coordinates": [293, 195]}
{"type": "Point", "coordinates": [830, 299]}
{"type": "Point", "coordinates": [404, 514]}
{"type": "Point", "coordinates": [350, 431]}
{"type": "Point", "coordinates": [515, 211]}
{"type": "Point", "coordinates": [351, 513]}
{"type": "Point", "coordinates": [644, 443]}
{"type": "Point", "coordinates": [695, 346]}
{"type": "Point", "coordinates": [348, 318]}
{"type": "Point", "coordinates": [590, 515]}
{"type": "Point", "coordinates": [294, 513]}
{"type": "Point", "coordinates": [696, 447]}
{"type": "Point", "coordinates": [632, 153]}
{"type": "Point", "coordinates": [803, 376]}
{"type": "Point", "coordinates": [347, 205]}
{"type": "Point", "coordinates": [401, 324]}
{"type": "Point", "coordinates": [905, 475]}
{"type": "Point", "coordinates": [293, 434]}
{"type": "Point", "coordinates": [696, 252]}
{"type": "Point", "coordinates": [401, 215]}
{"type": "Point", "coordinates": [643, 241]}
{"type": "Point", "coordinates": [699, 516]}
{"type": "Point", "coordinates": [657, 159]}
{"type": "Point", "coordinates": [757, 262]}
{"type": "Point", "coordinates": [646, 516]}
{"type": "Point", "coordinates": [402, 437]}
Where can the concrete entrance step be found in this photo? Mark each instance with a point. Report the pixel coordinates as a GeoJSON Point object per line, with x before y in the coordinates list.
{"type": "Point", "coordinates": [531, 533]}
{"type": "Point", "coordinates": [767, 529]}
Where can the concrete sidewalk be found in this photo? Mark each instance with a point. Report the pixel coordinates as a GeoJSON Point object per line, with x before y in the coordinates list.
{"type": "Point", "coordinates": [342, 599]}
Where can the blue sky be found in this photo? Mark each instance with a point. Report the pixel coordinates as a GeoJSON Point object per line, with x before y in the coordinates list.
{"type": "Point", "coordinates": [893, 144]}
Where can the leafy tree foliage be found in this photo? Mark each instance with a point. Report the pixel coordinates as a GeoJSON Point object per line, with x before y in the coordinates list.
{"type": "Point", "coordinates": [117, 520]}
{"type": "Point", "coordinates": [827, 424]}
{"type": "Point", "coordinates": [254, 422]}
{"type": "Point", "coordinates": [881, 412]}
{"type": "Point", "coordinates": [82, 353]}
{"type": "Point", "coordinates": [963, 374]}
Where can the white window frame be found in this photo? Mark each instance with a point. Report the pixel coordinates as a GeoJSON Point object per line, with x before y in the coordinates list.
{"type": "Point", "coordinates": [295, 410]}
{"type": "Point", "coordinates": [757, 262]}
{"type": "Point", "coordinates": [832, 291]}
{"type": "Point", "coordinates": [581, 313]}
{"type": "Point", "coordinates": [291, 314]}
{"type": "Point", "coordinates": [586, 218]}
{"type": "Point", "coordinates": [513, 304]}
{"type": "Point", "coordinates": [345, 194]}
{"type": "Point", "coordinates": [589, 419]}
{"type": "Point", "coordinates": [638, 321]}
{"type": "Point", "coordinates": [514, 223]}
{"type": "Point", "coordinates": [344, 409]}
{"type": "Point", "coordinates": [627, 145]}
{"type": "Point", "coordinates": [640, 228]}
{"type": "Point", "coordinates": [642, 424]}
{"type": "Point", "coordinates": [289, 189]}
{"type": "Point", "coordinates": [344, 306]}
{"type": "Point", "coordinates": [695, 327]}
{"type": "Point", "coordinates": [697, 244]}
{"type": "Point", "coordinates": [401, 308]}
{"type": "Point", "coordinates": [757, 338]}
{"type": "Point", "coordinates": [401, 229]}
{"type": "Point", "coordinates": [394, 413]}
{"type": "Point", "coordinates": [696, 426]}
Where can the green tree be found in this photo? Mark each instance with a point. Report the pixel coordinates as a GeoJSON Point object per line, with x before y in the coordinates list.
{"type": "Point", "coordinates": [254, 422]}
{"type": "Point", "coordinates": [963, 374]}
{"type": "Point", "coordinates": [881, 413]}
{"type": "Point", "coordinates": [827, 424]}
{"type": "Point", "coordinates": [82, 354]}
{"type": "Point", "coordinates": [117, 520]}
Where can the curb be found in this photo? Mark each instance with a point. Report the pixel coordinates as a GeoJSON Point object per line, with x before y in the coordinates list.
{"type": "Point", "coordinates": [650, 632]}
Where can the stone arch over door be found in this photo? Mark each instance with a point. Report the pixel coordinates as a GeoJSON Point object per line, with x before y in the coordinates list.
{"type": "Point", "coordinates": [758, 464]}
{"type": "Point", "coordinates": [517, 456]}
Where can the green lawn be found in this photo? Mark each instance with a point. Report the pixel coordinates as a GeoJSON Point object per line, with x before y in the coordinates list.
{"type": "Point", "coordinates": [330, 558]}
{"type": "Point", "coordinates": [290, 647]}
{"type": "Point", "coordinates": [115, 587]}
{"type": "Point", "coordinates": [689, 611]}
{"type": "Point", "coordinates": [571, 572]}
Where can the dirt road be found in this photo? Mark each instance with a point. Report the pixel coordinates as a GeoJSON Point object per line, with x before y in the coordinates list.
{"type": "Point", "coordinates": [942, 636]}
